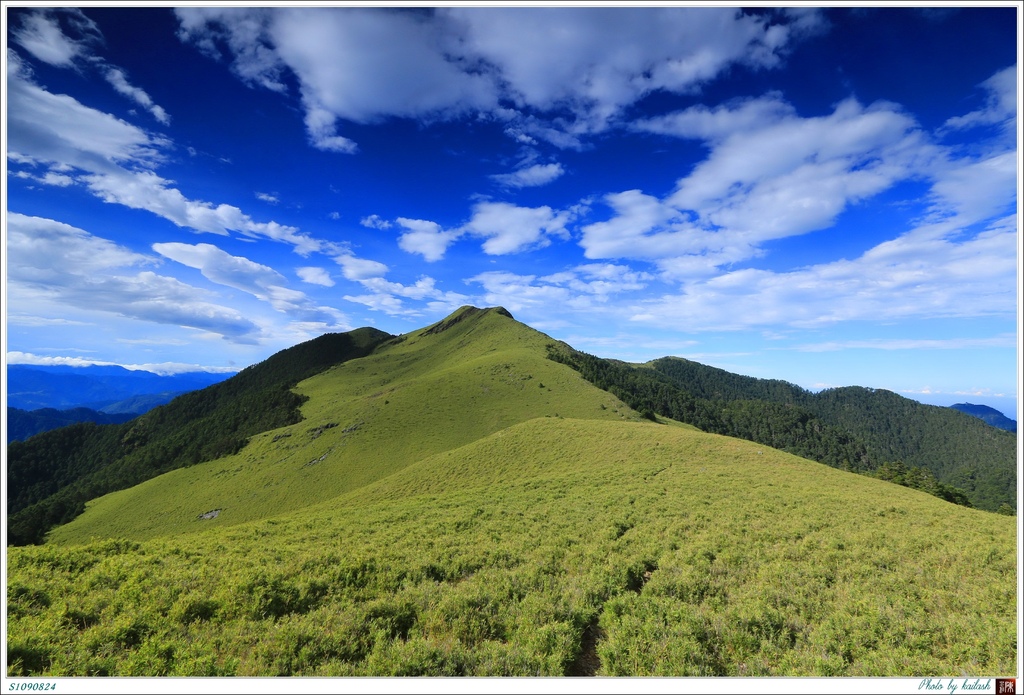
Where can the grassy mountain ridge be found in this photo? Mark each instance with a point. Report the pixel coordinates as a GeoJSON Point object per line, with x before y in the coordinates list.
{"type": "Point", "coordinates": [50, 481]}
{"type": "Point", "coordinates": [455, 502]}
{"type": "Point", "coordinates": [853, 427]}
{"type": "Point", "coordinates": [52, 476]}
{"type": "Point", "coordinates": [423, 393]}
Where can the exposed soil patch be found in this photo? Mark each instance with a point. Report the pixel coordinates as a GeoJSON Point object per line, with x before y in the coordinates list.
{"type": "Point", "coordinates": [212, 514]}
{"type": "Point", "coordinates": [588, 663]}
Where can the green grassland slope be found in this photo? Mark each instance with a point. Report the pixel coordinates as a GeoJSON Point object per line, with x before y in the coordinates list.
{"type": "Point", "coordinates": [961, 451]}
{"type": "Point", "coordinates": [475, 373]}
{"type": "Point", "coordinates": [553, 546]}
{"type": "Point", "coordinates": [456, 503]}
{"type": "Point", "coordinates": [52, 476]}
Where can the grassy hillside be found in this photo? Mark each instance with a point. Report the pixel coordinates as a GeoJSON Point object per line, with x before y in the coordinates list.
{"type": "Point", "coordinates": [430, 391]}
{"type": "Point", "coordinates": [853, 428]}
{"type": "Point", "coordinates": [51, 476]}
{"type": "Point", "coordinates": [553, 546]}
{"type": "Point", "coordinates": [454, 502]}
{"type": "Point", "coordinates": [960, 451]}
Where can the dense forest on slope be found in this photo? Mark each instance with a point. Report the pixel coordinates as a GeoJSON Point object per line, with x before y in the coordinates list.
{"type": "Point", "coordinates": [22, 424]}
{"type": "Point", "coordinates": [50, 477]}
{"type": "Point", "coordinates": [779, 425]}
{"type": "Point", "coordinates": [853, 428]}
{"type": "Point", "coordinates": [960, 450]}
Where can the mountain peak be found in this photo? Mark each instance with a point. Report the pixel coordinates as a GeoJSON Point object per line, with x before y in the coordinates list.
{"type": "Point", "coordinates": [463, 313]}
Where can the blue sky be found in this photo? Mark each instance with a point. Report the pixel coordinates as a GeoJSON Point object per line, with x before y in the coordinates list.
{"type": "Point", "coordinates": [825, 196]}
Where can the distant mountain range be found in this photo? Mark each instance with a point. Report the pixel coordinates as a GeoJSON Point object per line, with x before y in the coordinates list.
{"type": "Point", "coordinates": [987, 414]}
{"type": "Point", "coordinates": [107, 389]}
{"type": "Point", "coordinates": [22, 424]}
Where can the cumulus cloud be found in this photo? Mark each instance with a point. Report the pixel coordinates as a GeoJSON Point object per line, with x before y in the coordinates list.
{"type": "Point", "coordinates": [583, 287]}
{"type": "Point", "coordinates": [425, 238]}
{"type": "Point", "coordinates": [389, 297]}
{"type": "Point", "coordinates": [506, 228]}
{"type": "Point", "coordinates": [116, 161]}
{"type": "Point", "coordinates": [315, 276]}
{"type": "Point", "coordinates": [52, 261]}
{"type": "Point", "coordinates": [568, 71]}
{"type": "Point", "coordinates": [509, 228]}
{"type": "Point", "coordinates": [268, 198]}
{"type": "Point", "coordinates": [261, 281]}
{"type": "Point", "coordinates": [536, 175]}
{"type": "Point", "coordinates": [357, 269]}
{"type": "Point", "coordinates": [770, 174]}
{"type": "Point", "coordinates": [914, 276]}
{"type": "Point", "coordinates": [375, 222]}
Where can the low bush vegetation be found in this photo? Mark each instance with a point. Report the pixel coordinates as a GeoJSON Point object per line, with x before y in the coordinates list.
{"type": "Point", "coordinates": [677, 552]}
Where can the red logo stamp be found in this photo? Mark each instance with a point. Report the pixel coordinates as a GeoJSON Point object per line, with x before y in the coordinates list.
{"type": "Point", "coordinates": [1006, 686]}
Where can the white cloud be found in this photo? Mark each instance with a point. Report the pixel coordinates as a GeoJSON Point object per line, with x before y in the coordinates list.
{"type": "Point", "coordinates": [912, 277]}
{"type": "Point", "coordinates": [596, 61]}
{"type": "Point", "coordinates": [536, 175]}
{"type": "Point", "coordinates": [1002, 341]}
{"type": "Point", "coordinates": [45, 127]}
{"type": "Point", "coordinates": [117, 78]}
{"type": "Point", "coordinates": [365, 64]}
{"type": "Point", "coordinates": [52, 261]}
{"type": "Point", "coordinates": [585, 287]}
{"type": "Point", "coordinates": [243, 30]}
{"type": "Point", "coordinates": [509, 228]}
{"type": "Point", "coordinates": [41, 35]}
{"type": "Point", "coordinates": [770, 174]}
{"type": "Point", "coordinates": [375, 222]}
{"type": "Point", "coordinates": [976, 189]}
{"type": "Point", "coordinates": [117, 160]}
{"type": "Point", "coordinates": [263, 282]}
{"type": "Point", "coordinates": [22, 320]}
{"type": "Point", "coordinates": [506, 228]}
{"type": "Point", "coordinates": [519, 292]}
{"type": "Point", "coordinates": [1000, 106]}
{"type": "Point", "coordinates": [268, 198]}
{"type": "Point", "coordinates": [161, 368]}
{"type": "Point", "coordinates": [425, 238]}
{"type": "Point", "coordinates": [357, 269]}
{"type": "Point", "coordinates": [389, 296]}
{"type": "Point", "coordinates": [315, 276]}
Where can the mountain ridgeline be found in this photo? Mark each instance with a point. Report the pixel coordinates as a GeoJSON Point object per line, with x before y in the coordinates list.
{"type": "Point", "coordinates": [852, 428]}
{"type": "Point", "coordinates": [52, 476]}
{"type": "Point", "coordinates": [453, 501]}
{"type": "Point", "coordinates": [986, 414]}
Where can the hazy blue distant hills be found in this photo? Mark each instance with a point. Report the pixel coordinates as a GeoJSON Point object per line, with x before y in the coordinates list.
{"type": "Point", "coordinates": [103, 388]}
{"type": "Point", "coordinates": [989, 415]}
{"type": "Point", "coordinates": [22, 424]}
